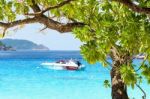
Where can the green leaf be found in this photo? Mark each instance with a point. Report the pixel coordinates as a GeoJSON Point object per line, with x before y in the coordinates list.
{"type": "Point", "coordinates": [145, 71]}
{"type": "Point", "coordinates": [128, 75]}
{"type": "Point", "coordinates": [107, 84]}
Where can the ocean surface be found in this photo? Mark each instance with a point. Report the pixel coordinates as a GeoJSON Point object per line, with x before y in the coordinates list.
{"type": "Point", "coordinates": [23, 77]}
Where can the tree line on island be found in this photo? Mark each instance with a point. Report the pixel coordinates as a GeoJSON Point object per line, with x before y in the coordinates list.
{"type": "Point", "coordinates": [120, 28]}
{"type": "Point", "coordinates": [3, 47]}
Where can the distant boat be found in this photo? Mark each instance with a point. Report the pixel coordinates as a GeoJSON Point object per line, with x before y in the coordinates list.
{"type": "Point", "coordinates": [64, 65]}
{"type": "Point", "coordinates": [140, 56]}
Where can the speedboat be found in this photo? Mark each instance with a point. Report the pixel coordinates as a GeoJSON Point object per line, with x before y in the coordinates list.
{"type": "Point", "coordinates": [64, 65]}
{"type": "Point", "coordinates": [140, 56]}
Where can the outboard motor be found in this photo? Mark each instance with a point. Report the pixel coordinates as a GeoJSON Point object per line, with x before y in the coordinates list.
{"type": "Point", "coordinates": [78, 63]}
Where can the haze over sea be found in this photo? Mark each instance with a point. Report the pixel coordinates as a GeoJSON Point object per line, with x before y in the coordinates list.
{"type": "Point", "coordinates": [22, 77]}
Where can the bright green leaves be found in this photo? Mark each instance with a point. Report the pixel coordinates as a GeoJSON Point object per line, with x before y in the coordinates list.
{"type": "Point", "coordinates": [2, 2]}
{"type": "Point", "coordinates": [105, 6]}
{"type": "Point", "coordinates": [128, 75]}
{"type": "Point", "coordinates": [80, 10]}
{"type": "Point", "coordinates": [6, 10]}
{"type": "Point", "coordinates": [140, 79]}
{"type": "Point", "coordinates": [107, 84]}
{"type": "Point", "coordinates": [92, 53]}
{"type": "Point", "coordinates": [131, 77]}
{"type": "Point", "coordinates": [22, 8]}
{"type": "Point", "coordinates": [85, 34]}
{"type": "Point", "coordinates": [1, 15]}
{"type": "Point", "coordinates": [10, 13]}
{"type": "Point", "coordinates": [56, 12]}
{"type": "Point", "coordinates": [9, 9]}
{"type": "Point", "coordinates": [89, 52]}
{"type": "Point", "coordinates": [145, 71]}
{"type": "Point", "coordinates": [99, 29]}
{"type": "Point", "coordinates": [96, 47]}
{"type": "Point", "coordinates": [143, 3]}
{"type": "Point", "coordinates": [47, 3]}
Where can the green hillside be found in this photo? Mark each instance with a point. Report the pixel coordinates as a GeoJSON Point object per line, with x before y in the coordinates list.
{"type": "Point", "coordinates": [23, 44]}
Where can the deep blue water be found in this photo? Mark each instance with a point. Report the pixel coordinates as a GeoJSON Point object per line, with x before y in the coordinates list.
{"type": "Point", "coordinates": [22, 77]}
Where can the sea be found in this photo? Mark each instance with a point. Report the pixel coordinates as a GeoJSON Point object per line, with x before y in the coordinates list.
{"type": "Point", "coordinates": [23, 77]}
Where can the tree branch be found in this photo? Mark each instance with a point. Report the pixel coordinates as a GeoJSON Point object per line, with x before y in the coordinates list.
{"type": "Point", "coordinates": [4, 31]}
{"type": "Point", "coordinates": [134, 7]}
{"type": "Point", "coordinates": [57, 6]}
{"type": "Point", "coordinates": [39, 12]}
{"type": "Point", "coordinates": [35, 7]}
{"type": "Point", "coordinates": [49, 23]}
{"type": "Point", "coordinates": [43, 29]}
{"type": "Point", "coordinates": [61, 27]}
{"type": "Point", "coordinates": [18, 22]}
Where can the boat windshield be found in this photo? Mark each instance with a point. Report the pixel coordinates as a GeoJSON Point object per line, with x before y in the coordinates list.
{"type": "Point", "coordinates": [61, 61]}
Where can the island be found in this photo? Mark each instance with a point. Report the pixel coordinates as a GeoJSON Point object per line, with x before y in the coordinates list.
{"type": "Point", "coordinates": [18, 44]}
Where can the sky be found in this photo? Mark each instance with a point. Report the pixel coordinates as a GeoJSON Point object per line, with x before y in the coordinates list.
{"type": "Point", "coordinates": [50, 38]}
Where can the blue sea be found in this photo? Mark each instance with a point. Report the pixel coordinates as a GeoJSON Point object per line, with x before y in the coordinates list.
{"type": "Point", "coordinates": [23, 77]}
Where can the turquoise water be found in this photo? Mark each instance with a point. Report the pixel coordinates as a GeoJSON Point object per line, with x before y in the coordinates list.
{"type": "Point", "coordinates": [22, 77]}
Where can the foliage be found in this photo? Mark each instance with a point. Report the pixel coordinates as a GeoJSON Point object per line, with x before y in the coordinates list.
{"type": "Point", "coordinates": [107, 84]}
{"type": "Point", "coordinates": [113, 27]}
{"type": "Point", "coordinates": [113, 24]}
{"type": "Point", "coordinates": [129, 75]}
{"type": "Point", "coordinates": [146, 72]}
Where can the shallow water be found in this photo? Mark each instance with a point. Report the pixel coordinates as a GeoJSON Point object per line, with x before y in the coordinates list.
{"type": "Point", "coordinates": [22, 77]}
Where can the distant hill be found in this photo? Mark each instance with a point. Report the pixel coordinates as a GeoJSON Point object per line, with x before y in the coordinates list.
{"type": "Point", "coordinates": [17, 44]}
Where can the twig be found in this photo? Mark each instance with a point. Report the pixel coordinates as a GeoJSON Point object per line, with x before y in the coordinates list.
{"type": "Point", "coordinates": [144, 96]}
{"type": "Point", "coordinates": [134, 7]}
{"type": "Point", "coordinates": [49, 8]}
{"type": "Point", "coordinates": [4, 32]}
{"type": "Point", "coordinates": [58, 5]}
{"type": "Point", "coordinates": [43, 29]}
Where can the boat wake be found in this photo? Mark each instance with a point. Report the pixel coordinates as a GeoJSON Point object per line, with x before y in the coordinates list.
{"type": "Point", "coordinates": [53, 67]}
{"type": "Point", "coordinates": [76, 78]}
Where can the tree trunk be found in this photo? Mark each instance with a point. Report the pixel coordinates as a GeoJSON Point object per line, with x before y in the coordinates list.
{"type": "Point", "coordinates": [119, 90]}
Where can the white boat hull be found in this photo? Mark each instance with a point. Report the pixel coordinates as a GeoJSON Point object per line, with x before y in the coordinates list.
{"type": "Point", "coordinates": [62, 66]}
